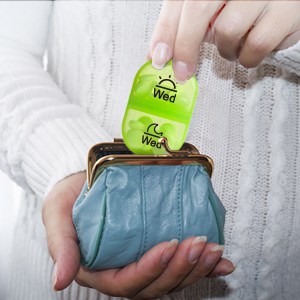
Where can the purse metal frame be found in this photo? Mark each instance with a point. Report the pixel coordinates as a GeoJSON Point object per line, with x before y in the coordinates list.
{"type": "Point", "coordinates": [116, 153]}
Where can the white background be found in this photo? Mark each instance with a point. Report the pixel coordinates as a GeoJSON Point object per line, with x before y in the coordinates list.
{"type": "Point", "coordinates": [10, 195]}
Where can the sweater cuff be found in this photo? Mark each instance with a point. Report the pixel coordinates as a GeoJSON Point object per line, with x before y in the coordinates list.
{"type": "Point", "coordinates": [57, 149]}
{"type": "Point", "coordinates": [288, 59]}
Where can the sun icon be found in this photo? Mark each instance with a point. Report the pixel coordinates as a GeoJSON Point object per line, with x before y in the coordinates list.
{"type": "Point", "coordinates": [167, 84]}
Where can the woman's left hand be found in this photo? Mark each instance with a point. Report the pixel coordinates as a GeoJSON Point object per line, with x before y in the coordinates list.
{"type": "Point", "coordinates": [242, 30]}
{"type": "Point", "coordinates": [165, 267]}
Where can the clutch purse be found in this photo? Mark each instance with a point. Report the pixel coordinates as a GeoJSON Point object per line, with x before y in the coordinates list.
{"type": "Point", "coordinates": [132, 202]}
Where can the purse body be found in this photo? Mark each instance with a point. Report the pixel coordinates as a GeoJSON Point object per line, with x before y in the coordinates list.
{"type": "Point", "coordinates": [131, 208]}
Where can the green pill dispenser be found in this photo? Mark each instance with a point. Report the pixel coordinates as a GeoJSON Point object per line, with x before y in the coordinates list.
{"type": "Point", "coordinates": [158, 107]}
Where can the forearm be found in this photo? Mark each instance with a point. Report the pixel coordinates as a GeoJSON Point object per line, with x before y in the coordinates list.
{"type": "Point", "coordinates": [44, 137]}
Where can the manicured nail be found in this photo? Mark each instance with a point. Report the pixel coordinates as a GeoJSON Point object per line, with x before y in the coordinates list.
{"type": "Point", "coordinates": [182, 71]}
{"type": "Point", "coordinates": [214, 254]}
{"type": "Point", "coordinates": [160, 55]}
{"type": "Point", "coordinates": [226, 271]}
{"type": "Point", "coordinates": [169, 251]}
{"type": "Point", "coordinates": [230, 269]}
{"type": "Point", "coordinates": [197, 248]}
{"type": "Point", "coordinates": [54, 277]}
{"type": "Point", "coordinates": [217, 248]}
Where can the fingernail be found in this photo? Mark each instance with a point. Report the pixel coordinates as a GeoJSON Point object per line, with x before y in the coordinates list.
{"type": "Point", "coordinates": [227, 270]}
{"type": "Point", "coordinates": [214, 254]}
{"type": "Point", "coordinates": [182, 71]}
{"type": "Point", "coordinates": [169, 252]}
{"type": "Point", "coordinates": [54, 277]}
{"type": "Point", "coordinates": [217, 248]}
{"type": "Point", "coordinates": [197, 248]}
{"type": "Point", "coordinates": [160, 55]}
{"type": "Point", "coordinates": [230, 269]}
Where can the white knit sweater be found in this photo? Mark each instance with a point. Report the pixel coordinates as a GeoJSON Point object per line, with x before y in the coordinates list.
{"type": "Point", "coordinates": [248, 121]}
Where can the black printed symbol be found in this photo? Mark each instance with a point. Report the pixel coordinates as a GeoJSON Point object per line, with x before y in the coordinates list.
{"type": "Point", "coordinates": [152, 131]}
{"type": "Point", "coordinates": [149, 134]}
{"type": "Point", "coordinates": [163, 84]}
{"type": "Point", "coordinates": [165, 90]}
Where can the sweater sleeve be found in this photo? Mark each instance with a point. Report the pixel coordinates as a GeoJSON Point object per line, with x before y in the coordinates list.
{"type": "Point", "coordinates": [288, 59]}
{"type": "Point", "coordinates": [43, 136]}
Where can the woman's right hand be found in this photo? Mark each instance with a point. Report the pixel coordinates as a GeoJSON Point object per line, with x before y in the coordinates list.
{"type": "Point", "coordinates": [164, 268]}
{"type": "Point", "coordinates": [247, 31]}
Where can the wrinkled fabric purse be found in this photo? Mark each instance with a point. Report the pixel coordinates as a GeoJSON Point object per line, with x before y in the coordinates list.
{"type": "Point", "coordinates": [131, 202]}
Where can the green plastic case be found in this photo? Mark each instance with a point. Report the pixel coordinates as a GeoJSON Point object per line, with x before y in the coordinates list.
{"type": "Point", "coordinates": [158, 107]}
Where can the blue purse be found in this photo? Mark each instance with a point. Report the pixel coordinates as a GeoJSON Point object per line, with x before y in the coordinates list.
{"type": "Point", "coordinates": [131, 202]}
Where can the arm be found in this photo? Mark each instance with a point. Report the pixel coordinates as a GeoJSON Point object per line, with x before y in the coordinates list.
{"type": "Point", "coordinates": [44, 137]}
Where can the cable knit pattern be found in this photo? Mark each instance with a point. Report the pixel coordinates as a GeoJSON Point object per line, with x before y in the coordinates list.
{"type": "Point", "coordinates": [288, 59]}
{"type": "Point", "coordinates": [281, 214]}
{"type": "Point", "coordinates": [276, 214]}
{"type": "Point", "coordinates": [241, 279]}
{"type": "Point", "coordinates": [247, 120]}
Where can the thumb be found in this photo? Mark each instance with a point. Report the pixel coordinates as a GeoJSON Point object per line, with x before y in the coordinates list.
{"type": "Point", "coordinates": [61, 234]}
{"type": "Point", "coordinates": [65, 254]}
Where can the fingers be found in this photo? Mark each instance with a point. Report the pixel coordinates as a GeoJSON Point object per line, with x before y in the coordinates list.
{"type": "Point", "coordinates": [61, 235]}
{"type": "Point", "coordinates": [224, 267]}
{"type": "Point", "coordinates": [243, 30]}
{"type": "Point", "coordinates": [194, 21]}
{"type": "Point", "coordinates": [67, 259]}
{"type": "Point", "coordinates": [232, 24]}
{"type": "Point", "coordinates": [164, 268]}
{"type": "Point", "coordinates": [126, 282]}
{"type": "Point", "coordinates": [181, 28]}
{"type": "Point", "coordinates": [249, 31]}
{"type": "Point", "coordinates": [161, 48]}
{"type": "Point", "coordinates": [210, 264]}
{"type": "Point", "coordinates": [271, 29]}
{"type": "Point", "coordinates": [181, 264]}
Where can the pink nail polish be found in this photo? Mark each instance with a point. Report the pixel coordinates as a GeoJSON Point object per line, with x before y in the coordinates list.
{"type": "Point", "coordinates": [160, 55]}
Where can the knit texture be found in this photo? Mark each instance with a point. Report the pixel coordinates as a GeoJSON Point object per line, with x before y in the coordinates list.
{"type": "Point", "coordinates": [246, 120]}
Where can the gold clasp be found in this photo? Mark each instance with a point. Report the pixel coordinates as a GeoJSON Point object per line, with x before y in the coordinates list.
{"type": "Point", "coordinates": [174, 153]}
{"type": "Point", "coordinates": [104, 155]}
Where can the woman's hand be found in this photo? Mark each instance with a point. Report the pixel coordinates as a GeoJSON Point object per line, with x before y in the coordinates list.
{"type": "Point", "coordinates": [61, 234]}
{"type": "Point", "coordinates": [243, 30]}
{"type": "Point", "coordinates": [164, 268]}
